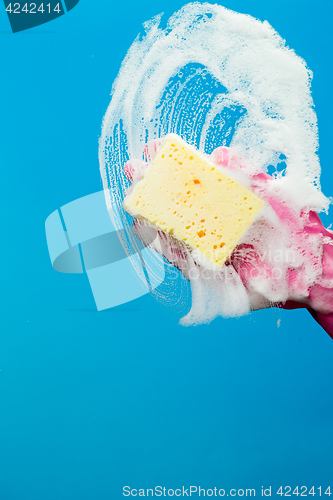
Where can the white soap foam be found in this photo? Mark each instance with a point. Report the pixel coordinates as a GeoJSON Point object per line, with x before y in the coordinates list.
{"type": "Point", "coordinates": [219, 78]}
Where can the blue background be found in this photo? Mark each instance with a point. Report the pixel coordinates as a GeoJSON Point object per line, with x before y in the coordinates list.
{"type": "Point", "coordinates": [91, 402]}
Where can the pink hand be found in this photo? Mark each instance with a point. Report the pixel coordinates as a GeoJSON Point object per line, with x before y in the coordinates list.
{"type": "Point", "coordinates": [318, 298]}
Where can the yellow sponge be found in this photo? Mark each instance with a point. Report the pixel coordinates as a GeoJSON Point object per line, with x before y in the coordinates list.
{"type": "Point", "coordinates": [190, 198]}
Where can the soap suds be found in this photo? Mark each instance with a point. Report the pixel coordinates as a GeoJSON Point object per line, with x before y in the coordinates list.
{"type": "Point", "coordinates": [219, 78]}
